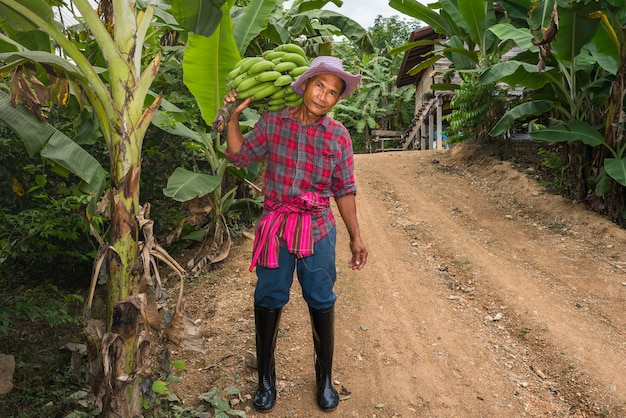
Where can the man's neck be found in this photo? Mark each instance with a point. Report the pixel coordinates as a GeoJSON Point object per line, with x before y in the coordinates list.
{"type": "Point", "coordinates": [305, 116]}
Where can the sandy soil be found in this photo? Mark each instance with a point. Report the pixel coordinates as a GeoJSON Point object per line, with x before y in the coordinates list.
{"type": "Point", "coordinates": [484, 296]}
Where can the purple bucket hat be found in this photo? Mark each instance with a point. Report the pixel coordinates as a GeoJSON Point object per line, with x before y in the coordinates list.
{"type": "Point", "coordinates": [327, 65]}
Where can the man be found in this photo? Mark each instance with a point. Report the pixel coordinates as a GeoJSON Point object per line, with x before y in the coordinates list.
{"type": "Point", "coordinates": [309, 160]}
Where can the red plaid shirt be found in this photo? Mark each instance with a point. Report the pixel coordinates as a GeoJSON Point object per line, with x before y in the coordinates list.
{"type": "Point", "coordinates": [314, 158]}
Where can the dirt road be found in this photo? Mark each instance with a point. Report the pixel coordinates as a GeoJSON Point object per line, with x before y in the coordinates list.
{"type": "Point", "coordinates": [484, 296]}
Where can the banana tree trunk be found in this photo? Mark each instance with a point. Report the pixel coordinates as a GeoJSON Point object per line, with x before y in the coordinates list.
{"type": "Point", "coordinates": [118, 347]}
{"type": "Point", "coordinates": [126, 344]}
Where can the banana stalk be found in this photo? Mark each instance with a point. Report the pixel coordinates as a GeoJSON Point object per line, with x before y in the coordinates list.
{"type": "Point", "coordinates": [223, 115]}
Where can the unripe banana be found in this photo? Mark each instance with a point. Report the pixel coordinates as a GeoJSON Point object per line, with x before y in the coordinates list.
{"type": "Point", "coordinates": [285, 66]}
{"type": "Point", "coordinates": [267, 79]}
{"type": "Point", "coordinates": [273, 54]}
{"type": "Point", "coordinates": [243, 61]}
{"type": "Point", "coordinates": [292, 97]}
{"type": "Point", "coordinates": [233, 74]}
{"type": "Point", "coordinates": [248, 62]}
{"type": "Point", "coordinates": [261, 66]}
{"type": "Point", "coordinates": [237, 81]}
{"type": "Point", "coordinates": [298, 71]}
{"type": "Point", "coordinates": [293, 48]}
{"type": "Point", "coordinates": [265, 92]}
{"type": "Point", "coordinates": [276, 107]}
{"type": "Point", "coordinates": [294, 103]}
{"type": "Point", "coordinates": [285, 91]}
{"type": "Point", "coordinates": [283, 80]}
{"type": "Point", "coordinates": [294, 57]}
{"type": "Point", "coordinates": [247, 84]}
{"type": "Point", "coordinates": [269, 76]}
{"type": "Point", "coordinates": [244, 94]}
{"type": "Point", "coordinates": [282, 93]}
{"type": "Point", "coordinates": [273, 102]}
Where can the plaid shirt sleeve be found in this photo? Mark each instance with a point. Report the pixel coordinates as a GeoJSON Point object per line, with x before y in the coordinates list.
{"type": "Point", "coordinates": [255, 145]}
{"type": "Point", "coordinates": [343, 175]}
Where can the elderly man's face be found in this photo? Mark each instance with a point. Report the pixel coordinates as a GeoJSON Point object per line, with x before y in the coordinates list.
{"type": "Point", "coordinates": [321, 93]}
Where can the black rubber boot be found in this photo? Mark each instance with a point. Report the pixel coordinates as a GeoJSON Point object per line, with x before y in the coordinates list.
{"type": "Point", "coordinates": [266, 323]}
{"type": "Point", "coordinates": [323, 322]}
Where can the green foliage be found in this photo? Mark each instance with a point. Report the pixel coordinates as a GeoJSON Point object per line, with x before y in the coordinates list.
{"type": "Point", "coordinates": [44, 304]}
{"type": "Point", "coordinates": [476, 108]}
{"type": "Point", "coordinates": [35, 322]}
{"type": "Point", "coordinates": [42, 227]}
{"type": "Point", "coordinates": [573, 81]}
{"type": "Point", "coordinates": [390, 32]}
{"type": "Point", "coordinates": [560, 178]}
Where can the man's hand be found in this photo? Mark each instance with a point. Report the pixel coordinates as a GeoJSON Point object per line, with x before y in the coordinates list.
{"type": "Point", "coordinates": [359, 255]}
{"type": "Point", "coordinates": [231, 97]}
{"type": "Point", "coordinates": [234, 138]}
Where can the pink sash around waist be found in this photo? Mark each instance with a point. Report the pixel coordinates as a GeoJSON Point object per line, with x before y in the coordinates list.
{"type": "Point", "coordinates": [290, 222]}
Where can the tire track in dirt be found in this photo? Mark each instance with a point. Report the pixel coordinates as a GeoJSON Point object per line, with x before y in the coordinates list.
{"type": "Point", "coordinates": [576, 367]}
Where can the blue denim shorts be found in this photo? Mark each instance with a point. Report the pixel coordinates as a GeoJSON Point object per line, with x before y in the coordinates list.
{"type": "Point", "coordinates": [317, 274]}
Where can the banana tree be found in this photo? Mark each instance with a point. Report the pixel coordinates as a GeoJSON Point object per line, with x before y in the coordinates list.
{"type": "Point", "coordinates": [579, 81]}
{"type": "Point", "coordinates": [118, 97]}
{"type": "Point", "coordinates": [185, 185]}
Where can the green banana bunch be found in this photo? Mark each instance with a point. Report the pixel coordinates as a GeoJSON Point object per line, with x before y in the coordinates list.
{"type": "Point", "coordinates": [267, 79]}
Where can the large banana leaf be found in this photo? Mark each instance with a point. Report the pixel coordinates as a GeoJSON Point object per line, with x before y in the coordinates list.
{"type": "Point", "coordinates": [571, 132]}
{"type": "Point", "coordinates": [521, 36]}
{"type": "Point", "coordinates": [534, 107]}
{"type": "Point", "coordinates": [300, 6]}
{"type": "Point", "coordinates": [18, 22]}
{"type": "Point", "coordinates": [210, 50]}
{"type": "Point", "coordinates": [616, 168]}
{"type": "Point", "coordinates": [574, 32]}
{"type": "Point", "coordinates": [417, 10]}
{"type": "Point", "coordinates": [605, 46]}
{"type": "Point", "coordinates": [475, 17]}
{"type": "Point", "coordinates": [252, 22]}
{"type": "Point", "coordinates": [347, 27]}
{"type": "Point", "coordinates": [539, 18]}
{"type": "Point", "coordinates": [201, 17]}
{"type": "Point", "coordinates": [184, 185]}
{"type": "Point", "coordinates": [517, 10]}
{"type": "Point", "coordinates": [206, 63]}
{"type": "Point", "coordinates": [577, 130]}
{"type": "Point", "coordinates": [34, 40]}
{"type": "Point", "coordinates": [461, 57]}
{"type": "Point", "coordinates": [11, 59]}
{"type": "Point", "coordinates": [52, 144]}
{"type": "Point", "coordinates": [517, 73]}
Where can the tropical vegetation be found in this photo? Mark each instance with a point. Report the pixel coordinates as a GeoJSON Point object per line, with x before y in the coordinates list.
{"type": "Point", "coordinates": [570, 68]}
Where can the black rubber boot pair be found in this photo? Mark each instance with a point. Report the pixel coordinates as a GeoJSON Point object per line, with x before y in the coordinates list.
{"type": "Point", "coordinates": [323, 323]}
{"type": "Point", "coordinates": [266, 326]}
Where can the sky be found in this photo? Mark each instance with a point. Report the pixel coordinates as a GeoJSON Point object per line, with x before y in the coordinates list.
{"type": "Point", "coordinates": [364, 12]}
